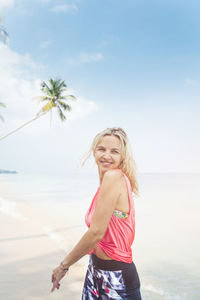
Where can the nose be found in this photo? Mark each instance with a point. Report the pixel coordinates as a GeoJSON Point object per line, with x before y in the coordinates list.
{"type": "Point", "coordinates": [107, 155]}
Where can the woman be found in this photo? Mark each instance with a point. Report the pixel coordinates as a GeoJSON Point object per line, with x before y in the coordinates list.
{"type": "Point", "coordinates": [110, 219]}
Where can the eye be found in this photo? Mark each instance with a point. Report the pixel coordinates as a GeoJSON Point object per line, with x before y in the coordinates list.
{"type": "Point", "coordinates": [115, 151]}
{"type": "Point", "coordinates": [100, 149]}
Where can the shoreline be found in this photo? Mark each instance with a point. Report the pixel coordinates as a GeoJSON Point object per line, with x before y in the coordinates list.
{"type": "Point", "coordinates": [32, 244]}
{"type": "Point", "coordinates": [43, 218]}
{"type": "Point", "coordinates": [27, 261]}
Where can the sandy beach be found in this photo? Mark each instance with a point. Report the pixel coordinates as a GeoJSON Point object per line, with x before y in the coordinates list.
{"type": "Point", "coordinates": [27, 261]}
{"type": "Point", "coordinates": [31, 249]}
{"type": "Point", "coordinates": [41, 219]}
{"type": "Point", "coordinates": [85, 85]}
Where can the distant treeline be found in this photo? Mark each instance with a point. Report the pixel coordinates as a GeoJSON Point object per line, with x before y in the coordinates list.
{"type": "Point", "coordinates": [7, 172]}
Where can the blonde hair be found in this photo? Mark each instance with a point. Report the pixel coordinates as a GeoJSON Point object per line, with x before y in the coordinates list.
{"type": "Point", "coordinates": [127, 165]}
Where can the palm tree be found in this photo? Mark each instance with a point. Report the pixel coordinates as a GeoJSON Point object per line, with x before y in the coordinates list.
{"type": "Point", "coordinates": [4, 37]}
{"type": "Point", "coordinates": [55, 97]}
{"type": "Point", "coordinates": [3, 105]}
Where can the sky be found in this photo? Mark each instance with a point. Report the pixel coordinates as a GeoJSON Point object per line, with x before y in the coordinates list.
{"type": "Point", "coordinates": [130, 63]}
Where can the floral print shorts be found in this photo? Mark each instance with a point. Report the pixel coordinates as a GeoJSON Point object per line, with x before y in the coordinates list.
{"type": "Point", "coordinates": [111, 279]}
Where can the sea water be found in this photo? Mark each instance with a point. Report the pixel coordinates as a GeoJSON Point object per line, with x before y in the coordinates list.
{"type": "Point", "coordinates": [166, 249]}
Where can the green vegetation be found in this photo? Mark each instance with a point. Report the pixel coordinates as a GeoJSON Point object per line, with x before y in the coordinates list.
{"type": "Point", "coordinates": [3, 33]}
{"type": "Point", "coordinates": [54, 95]}
{"type": "Point", "coordinates": [3, 105]}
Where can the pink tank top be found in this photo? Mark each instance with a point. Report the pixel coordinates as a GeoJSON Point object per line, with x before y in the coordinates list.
{"type": "Point", "coordinates": [120, 233]}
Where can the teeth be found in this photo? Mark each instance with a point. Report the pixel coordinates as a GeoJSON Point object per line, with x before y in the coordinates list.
{"type": "Point", "coordinates": [106, 164]}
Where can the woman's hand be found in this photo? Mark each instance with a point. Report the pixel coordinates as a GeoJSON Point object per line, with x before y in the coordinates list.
{"type": "Point", "coordinates": [57, 275]}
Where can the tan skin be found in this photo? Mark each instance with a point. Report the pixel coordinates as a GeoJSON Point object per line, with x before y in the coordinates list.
{"type": "Point", "coordinates": [113, 195]}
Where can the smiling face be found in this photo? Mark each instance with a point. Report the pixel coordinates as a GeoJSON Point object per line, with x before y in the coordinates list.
{"type": "Point", "coordinates": [108, 154]}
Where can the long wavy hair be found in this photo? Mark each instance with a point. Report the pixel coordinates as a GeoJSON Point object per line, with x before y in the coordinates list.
{"type": "Point", "coordinates": [128, 165]}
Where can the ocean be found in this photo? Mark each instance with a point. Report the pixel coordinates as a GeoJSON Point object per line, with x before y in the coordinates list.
{"type": "Point", "coordinates": [166, 249]}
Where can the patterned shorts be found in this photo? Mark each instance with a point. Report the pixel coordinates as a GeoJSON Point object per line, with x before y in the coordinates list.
{"type": "Point", "coordinates": [111, 279]}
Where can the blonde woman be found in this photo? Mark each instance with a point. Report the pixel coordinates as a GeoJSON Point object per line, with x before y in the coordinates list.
{"type": "Point", "coordinates": [110, 219]}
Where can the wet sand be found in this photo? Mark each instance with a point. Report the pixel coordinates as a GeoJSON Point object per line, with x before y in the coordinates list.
{"type": "Point", "coordinates": [29, 252]}
{"type": "Point", "coordinates": [27, 261]}
{"type": "Point", "coordinates": [35, 236]}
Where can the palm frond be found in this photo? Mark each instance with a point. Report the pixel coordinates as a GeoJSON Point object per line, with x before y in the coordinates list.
{"type": "Point", "coordinates": [68, 97]}
{"type": "Point", "coordinates": [46, 98]}
{"type": "Point", "coordinates": [47, 107]}
{"type": "Point", "coordinates": [64, 105]}
{"type": "Point", "coordinates": [61, 114]}
{"type": "Point", "coordinates": [62, 84]}
{"type": "Point", "coordinates": [54, 92]}
{"type": "Point", "coordinates": [2, 104]}
{"type": "Point", "coordinates": [71, 97]}
{"type": "Point", "coordinates": [63, 97]}
{"type": "Point", "coordinates": [42, 98]}
{"type": "Point", "coordinates": [45, 88]}
{"type": "Point", "coordinates": [44, 85]}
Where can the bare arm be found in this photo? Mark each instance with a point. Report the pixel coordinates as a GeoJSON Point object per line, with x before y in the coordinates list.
{"type": "Point", "coordinates": [108, 196]}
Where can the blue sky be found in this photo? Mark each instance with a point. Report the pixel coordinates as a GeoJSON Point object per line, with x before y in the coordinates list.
{"type": "Point", "coordinates": [133, 64]}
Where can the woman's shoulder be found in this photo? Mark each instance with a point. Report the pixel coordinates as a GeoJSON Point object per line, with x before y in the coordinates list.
{"type": "Point", "coordinates": [114, 174]}
{"type": "Point", "coordinates": [112, 182]}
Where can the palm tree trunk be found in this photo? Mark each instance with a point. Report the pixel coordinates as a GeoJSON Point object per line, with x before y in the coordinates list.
{"type": "Point", "coordinates": [13, 131]}
{"type": "Point", "coordinates": [50, 118]}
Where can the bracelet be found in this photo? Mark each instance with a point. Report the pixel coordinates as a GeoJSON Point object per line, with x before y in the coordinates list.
{"type": "Point", "coordinates": [64, 268]}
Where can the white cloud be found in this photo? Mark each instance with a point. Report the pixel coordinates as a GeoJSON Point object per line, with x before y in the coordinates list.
{"type": "Point", "coordinates": [81, 108]}
{"type": "Point", "coordinates": [85, 58]}
{"type": "Point", "coordinates": [30, 63]}
{"type": "Point", "coordinates": [64, 8]}
{"type": "Point", "coordinates": [9, 59]}
{"type": "Point", "coordinates": [4, 3]}
{"type": "Point", "coordinates": [189, 81]}
{"type": "Point", "coordinates": [17, 92]}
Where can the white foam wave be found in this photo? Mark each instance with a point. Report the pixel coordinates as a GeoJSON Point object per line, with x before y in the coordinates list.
{"type": "Point", "coordinates": [10, 208]}
{"type": "Point", "coordinates": [83, 262]}
{"type": "Point", "coordinates": [151, 288]}
{"type": "Point", "coordinates": [56, 237]}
